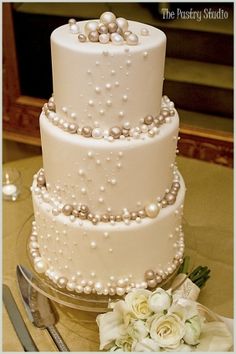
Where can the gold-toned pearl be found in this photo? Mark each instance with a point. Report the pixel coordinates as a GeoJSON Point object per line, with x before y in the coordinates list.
{"type": "Point", "coordinates": [134, 215]}
{"type": "Point", "coordinates": [112, 218]}
{"type": "Point", "coordinates": [125, 132]}
{"type": "Point", "coordinates": [170, 198]}
{"type": "Point", "coordinates": [86, 131]}
{"type": "Point", "coordinates": [118, 218]}
{"type": "Point", "coordinates": [82, 38]}
{"type": "Point", "coordinates": [41, 181]}
{"type": "Point", "coordinates": [61, 282]}
{"type": "Point", "coordinates": [82, 215]}
{"type": "Point", "coordinates": [126, 34]}
{"type": "Point", "coordinates": [67, 209]}
{"type": "Point", "coordinates": [73, 128]}
{"type": "Point", "coordinates": [51, 106]}
{"type": "Point", "coordinates": [161, 119]}
{"type": "Point", "coordinates": [112, 27]}
{"type": "Point", "coordinates": [105, 218]}
{"type": "Point", "coordinates": [84, 209]}
{"type": "Point", "coordinates": [142, 213]}
{"type": "Point", "coordinates": [164, 203]}
{"type": "Point", "coordinates": [93, 36]}
{"type": "Point", "coordinates": [72, 21]}
{"type": "Point", "coordinates": [102, 29]}
{"type": "Point", "coordinates": [148, 120]}
{"type": "Point", "coordinates": [115, 132]}
{"type": "Point", "coordinates": [75, 213]}
{"type": "Point", "coordinates": [90, 216]}
{"type": "Point", "coordinates": [149, 274]}
{"type": "Point", "coordinates": [152, 283]}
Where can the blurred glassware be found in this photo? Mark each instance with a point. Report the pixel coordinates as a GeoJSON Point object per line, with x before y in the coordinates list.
{"type": "Point", "coordinates": [11, 183]}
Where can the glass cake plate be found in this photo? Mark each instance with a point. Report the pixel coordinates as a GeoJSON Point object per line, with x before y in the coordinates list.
{"type": "Point", "coordinates": [91, 303]}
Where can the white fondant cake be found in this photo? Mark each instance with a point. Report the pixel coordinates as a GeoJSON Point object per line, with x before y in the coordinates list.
{"type": "Point", "coordinates": [109, 201]}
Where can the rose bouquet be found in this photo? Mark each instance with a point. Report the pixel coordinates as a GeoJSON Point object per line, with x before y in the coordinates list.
{"type": "Point", "coordinates": [163, 320]}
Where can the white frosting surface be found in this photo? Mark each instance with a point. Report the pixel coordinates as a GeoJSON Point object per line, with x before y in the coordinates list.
{"type": "Point", "coordinates": [122, 174]}
{"type": "Point", "coordinates": [105, 84]}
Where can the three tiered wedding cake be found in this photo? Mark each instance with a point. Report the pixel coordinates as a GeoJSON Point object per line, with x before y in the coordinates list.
{"type": "Point", "coordinates": [108, 202]}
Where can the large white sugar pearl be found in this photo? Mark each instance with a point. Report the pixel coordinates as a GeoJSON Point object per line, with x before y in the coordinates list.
{"type": "Point", "coordinates": [90, 26]}
{"type": "Point", "coordinates": [117, 39]}
{"type": "Point", "coordinates": [122, 23]}
{"type": "Point", "coordinates": [152, 210]}
{"type": "Point", "coordinates": [40, 266]}
{"type": "Point", "coordinates": [74, 28]}
{"type": "Point", "coordinates": [104, 38]}
{"type": "Point", "coordinates": [107, 17]}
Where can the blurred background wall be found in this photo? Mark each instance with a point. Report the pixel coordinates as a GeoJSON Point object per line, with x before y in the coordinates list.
{"type": "Point", "coordinates": [198, 72]}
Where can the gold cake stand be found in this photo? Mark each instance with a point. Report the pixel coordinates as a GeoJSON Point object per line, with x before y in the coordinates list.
{"type": "Point", "coordinates": [41, 283]}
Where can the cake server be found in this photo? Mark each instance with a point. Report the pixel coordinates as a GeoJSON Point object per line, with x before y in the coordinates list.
{"type": "Point", "coordinates": [17, 321]}
{"type": "Point", "coordinates": [38, 307]}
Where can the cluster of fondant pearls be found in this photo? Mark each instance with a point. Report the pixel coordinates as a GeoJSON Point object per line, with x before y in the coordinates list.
{"type": "Point", "coordinates": [108, 29]}
{"type": "Point", "coordinates": [149, 125]}
{"type": "Point", "coordinates": [82, 211]}
{"type": "Point", "coordinates": [118, 287]}
{"type": "Point", "coordinates": [39, 263]}
{"type": "Point", "coordinates": [153, 278]}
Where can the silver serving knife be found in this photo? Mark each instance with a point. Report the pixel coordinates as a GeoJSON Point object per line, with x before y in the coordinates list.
{"type": "Point", "coordinates": [17, 321]}
{"type": "Point", "coordinates": [38, 307]}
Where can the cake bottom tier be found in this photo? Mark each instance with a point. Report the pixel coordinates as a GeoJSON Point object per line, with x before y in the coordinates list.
{"type": "Point", "coordinates": [107, 258]}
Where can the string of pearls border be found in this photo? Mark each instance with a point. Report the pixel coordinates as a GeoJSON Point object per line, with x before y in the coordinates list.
{"type": "Point", "coordinates": [118, 287]}
{"type": "Point", "coordinates": [149, 125]}
{"type": "Point", "coordinates": [82, 211]}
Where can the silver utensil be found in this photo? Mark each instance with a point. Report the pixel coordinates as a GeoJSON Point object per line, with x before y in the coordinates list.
{"type": "Point", "coordinates": [17, 321]}
{"type": "Point", "coordinates": [39, 308]}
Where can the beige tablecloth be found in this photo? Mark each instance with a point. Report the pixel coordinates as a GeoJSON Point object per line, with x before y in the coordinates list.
{"type": "Point", "coordinates": [208, 226]}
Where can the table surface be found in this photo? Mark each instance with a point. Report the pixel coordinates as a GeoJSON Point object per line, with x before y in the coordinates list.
{"type": "Point", "coordinates": [208, 227]}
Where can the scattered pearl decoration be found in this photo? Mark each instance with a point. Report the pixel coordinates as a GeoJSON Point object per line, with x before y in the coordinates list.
{"type": "Point", "coordinates": [149, 125]}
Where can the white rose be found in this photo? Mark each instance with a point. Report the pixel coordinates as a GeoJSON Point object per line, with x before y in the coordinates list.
{"type": "Point", "coordinates": [137, 330]}
{"type": "Point", "coordinates": [159, 300]}
{"type": "Point", "coordinates": [146, 345]}
{"type": "Point", "coordinates": [113, 324]}
{"type": "Point", "coordinates": [189, 307]}
{"type": "Point", "coordinates": [125, 343]}
{"type": "Point", "coordinates": [192, 330]}
{"type": "Point", "coordinates": [167, 330]}
{"type": "Point", "coordinates": [138, 303]}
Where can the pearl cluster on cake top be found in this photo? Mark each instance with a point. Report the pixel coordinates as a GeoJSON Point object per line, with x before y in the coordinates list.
{"type": "Point", "coordinates": [149, 125]}
{"type": "Point", "coordinates": [108, 29]}
{"type": "Point", "coordinates": [91, 285]}
{"type": "Point", "coordinates": [83, 212]}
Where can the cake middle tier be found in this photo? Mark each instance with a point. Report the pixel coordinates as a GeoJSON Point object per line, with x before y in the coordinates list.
{"type": "Point", "coordinates": [108, 176]}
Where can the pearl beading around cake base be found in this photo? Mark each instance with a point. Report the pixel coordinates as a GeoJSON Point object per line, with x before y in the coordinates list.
{"type": "Point", "coordinates": [119, 287]}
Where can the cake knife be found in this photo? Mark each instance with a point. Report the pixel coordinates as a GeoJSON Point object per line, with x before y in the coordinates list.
{"type": "Point", "coordinates": [17, 321]}
{"type": "Point", "coordinates": [38, 307]}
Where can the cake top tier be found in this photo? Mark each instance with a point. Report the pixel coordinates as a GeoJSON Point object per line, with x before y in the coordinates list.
{"type": "Point", "coordinates": [107, 74]}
